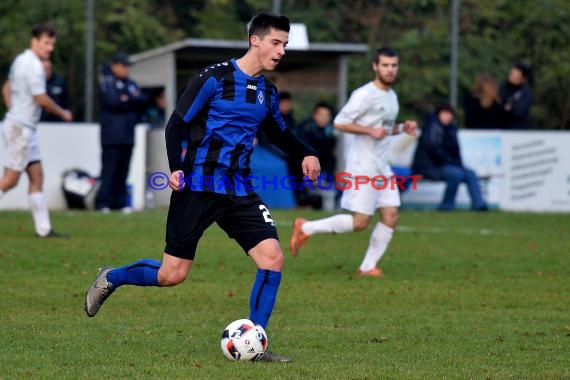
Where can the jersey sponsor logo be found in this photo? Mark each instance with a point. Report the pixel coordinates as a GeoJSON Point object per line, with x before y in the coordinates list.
{"type": "Point", "coordinates": [251, 91]}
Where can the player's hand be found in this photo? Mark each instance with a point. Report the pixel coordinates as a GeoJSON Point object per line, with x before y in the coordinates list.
{"type": "Point", "coordinates": [177, 180]}
{"type": "Point", "coordinates": [410, 127]}
{"type": "Point", "coordinates": [378, 133]}
{"type": "Point", "coordinates": [67, 115]}
{"type": "Point", "coordinates": [311, 167]}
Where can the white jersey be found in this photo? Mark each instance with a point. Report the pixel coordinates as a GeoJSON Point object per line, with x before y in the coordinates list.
{"type": "Point", "coordinates": [370, 107]}
{"type": "Point", "coordinates": [27, 79]}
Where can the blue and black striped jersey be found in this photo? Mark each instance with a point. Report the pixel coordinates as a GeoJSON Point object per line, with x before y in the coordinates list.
{"type": "Point", "coordinates": [221, 109]}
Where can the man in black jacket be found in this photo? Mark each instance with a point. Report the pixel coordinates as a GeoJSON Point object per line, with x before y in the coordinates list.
{"type": "Point", "coordinates": [121, 105]}
{"type": "Point", "coordinates": [517, 97]}
{"type": "Point", "coordinates": [56, 89]}
{"type": "Point", "coordinates": [438, 158]}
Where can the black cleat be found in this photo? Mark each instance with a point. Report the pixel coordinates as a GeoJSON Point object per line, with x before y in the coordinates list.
{"type": "Point", "coordinates": [269, 356]}
{"type": "Point", "coordinates": [53, 235]}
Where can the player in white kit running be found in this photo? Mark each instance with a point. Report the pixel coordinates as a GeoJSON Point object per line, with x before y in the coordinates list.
{"type": "Point", "coordinates": [25, 95]}
{"type": "Point", "coordinates": [370, 115]}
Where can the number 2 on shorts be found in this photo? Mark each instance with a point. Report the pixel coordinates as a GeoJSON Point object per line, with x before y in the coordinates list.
{"type": "Point", "coordinates": [266, 214]}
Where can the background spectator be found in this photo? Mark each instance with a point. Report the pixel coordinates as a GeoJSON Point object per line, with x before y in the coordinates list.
{"type": "Point", "coordinates": [482, 105]}
{"type": "Point", "coordinates": [438, 158]}
{"type": "Point", "coordinates": [318, 131]}
{"type": "Point", "coordinates": [121, 105]}
{"type": "Point", "coordinates": [155, 113]}
{"type": "Point", "coordinates": [517, 97]}
{"type": "Point", "coordinates": [302, 197]}
{"type": "Point", "coordinates": [56, 88]}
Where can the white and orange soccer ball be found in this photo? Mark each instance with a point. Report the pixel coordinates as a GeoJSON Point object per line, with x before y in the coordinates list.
{"type": "Point", "coordinates": [242, 340]}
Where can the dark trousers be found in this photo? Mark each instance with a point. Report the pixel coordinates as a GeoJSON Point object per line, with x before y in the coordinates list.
{"type": "Point", "coordinates": [115, 160]}
{"type": "Point", "coordinates": [455, 175]}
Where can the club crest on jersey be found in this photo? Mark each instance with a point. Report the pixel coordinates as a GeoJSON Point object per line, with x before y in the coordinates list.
{"type": "Point", "coordinates": [260, 97]}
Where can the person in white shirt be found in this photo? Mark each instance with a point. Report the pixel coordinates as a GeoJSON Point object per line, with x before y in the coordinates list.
{"type": "Point", "coordinates": [25, 95]}
{"type": "Point", "coordinates": [370, 116]}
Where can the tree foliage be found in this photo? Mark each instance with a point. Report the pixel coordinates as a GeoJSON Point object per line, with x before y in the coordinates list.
{"type": "Point", "coordinates": [493, 35]}
{"type": "Point", "coordinates": [132, 26]}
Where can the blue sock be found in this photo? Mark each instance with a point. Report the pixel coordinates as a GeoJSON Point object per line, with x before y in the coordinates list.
{"type": "Point", "coordinates": [141, 273]}
{"type": "Point", "coordinates": [263, 296]}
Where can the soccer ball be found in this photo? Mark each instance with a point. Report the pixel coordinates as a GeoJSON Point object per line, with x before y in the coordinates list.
{"type": "Point", "coordinates": [242, 340]}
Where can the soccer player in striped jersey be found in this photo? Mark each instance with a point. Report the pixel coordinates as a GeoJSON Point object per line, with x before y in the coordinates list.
{"type": "Point", "coordinates": [221, 110]}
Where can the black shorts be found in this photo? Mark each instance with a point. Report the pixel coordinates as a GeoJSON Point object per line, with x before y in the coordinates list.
{"type": "Point", "coordinates": [245, 219]}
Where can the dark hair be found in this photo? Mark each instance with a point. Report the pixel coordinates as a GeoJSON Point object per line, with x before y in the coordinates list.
{"type": "Point", "coordinates": [386, 52]}
{"type": "Point", "coordinates": [445, 107]}
{"type": "Point", "coordinates": [42, 29]}
{"type": "Point", "coordinates": [284, 95]}
{"type": "Point", "coordinates": [322, 104]}
{"type": "Point", "coordinates": [525, 70]}
{"type": "Point", "coordinates": [262, 23]}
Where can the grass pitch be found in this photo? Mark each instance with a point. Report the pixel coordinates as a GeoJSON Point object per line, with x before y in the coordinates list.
{"type": "Point", "coordinates": [466, 295]}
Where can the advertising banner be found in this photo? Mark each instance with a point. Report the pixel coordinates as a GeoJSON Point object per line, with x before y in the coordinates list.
{"type": "Point", "coordinates": [517, 170]}
{"type": "Point", "coordinates": [537, 171]}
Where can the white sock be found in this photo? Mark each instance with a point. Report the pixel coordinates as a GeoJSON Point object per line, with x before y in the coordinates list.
{"type": "Point", "coordinates": [379, 240]}
{"type": "Point", "coordinates": [2, 193]}
{"type": "Point", "coordinates": [335, 224]}
{"type": "Point", "coordinates": [40, 213]}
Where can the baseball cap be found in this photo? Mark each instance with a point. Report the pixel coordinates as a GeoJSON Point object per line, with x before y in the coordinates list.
{"type": "Point", "coordinates": [120, 57]}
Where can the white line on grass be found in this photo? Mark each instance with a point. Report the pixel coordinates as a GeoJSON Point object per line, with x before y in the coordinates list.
{"type": "Point", "coordinates": [439, 230]}
{"type": "Point", "coordinates": [433, 230]}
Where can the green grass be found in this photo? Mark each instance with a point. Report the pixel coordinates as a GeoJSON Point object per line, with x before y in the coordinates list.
{"type": "Point", "coordinates": [466, 295]}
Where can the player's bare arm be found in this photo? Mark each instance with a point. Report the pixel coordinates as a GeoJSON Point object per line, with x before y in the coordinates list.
{"type": "Point", "coordinates": [375, 133]}
{"type": "Point", "coordinates": [50, 106]}
{"type": "Point", "coordinates": [411, 127]}
{"type": "Point", "coordinates": [6, 94]}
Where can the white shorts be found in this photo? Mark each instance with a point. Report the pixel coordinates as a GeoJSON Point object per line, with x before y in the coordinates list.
{"type": "Point", "coordinates": [367, 199]}
{"type": "Point", "coordinates": [21, 145]}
